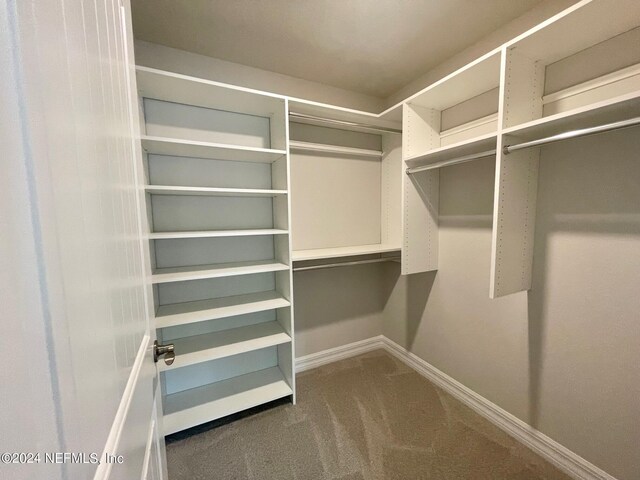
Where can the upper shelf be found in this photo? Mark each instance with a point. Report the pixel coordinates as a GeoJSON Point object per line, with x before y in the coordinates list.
{"type": "Point", "coordinates": [335, 252]}
{"type": "Point", "coordinates": [581, 26]}
{"type": "Point", "coordinates": [390, 118]}
{"type": "Point", "coordinates": [174, 87]}
{"type": "Point", "coordinates": [214, 151]}
{"type": "Point", "coordinates": [607, 111]}
{"type": "Point", "coordinates": [476, 78]}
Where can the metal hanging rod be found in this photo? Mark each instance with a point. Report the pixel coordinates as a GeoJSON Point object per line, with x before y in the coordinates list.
{"type": "Point", "coordinates": [507, 149]}
{"type": "Point", "coordinates": [451, 161]}
{"type": "Point", "coordinates": [347, 264]}
{"type": "Point", "coordinates": [344, 123]}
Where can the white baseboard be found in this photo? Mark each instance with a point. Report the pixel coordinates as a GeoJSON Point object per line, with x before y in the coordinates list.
{"type": "Point", "coordinates": [560, 456]}
{"type": "Point", "coordinates": [563, 458]}
{"type": "Point", "coordinates": [338, 353]}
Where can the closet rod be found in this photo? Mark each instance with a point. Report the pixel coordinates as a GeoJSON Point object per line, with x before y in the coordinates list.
{"type": "Point", "coordinates": [347, 264]}
{"type": "Point", "coordinates": [451, 161]}
{"type": "Point", "coordinates": [507, 149]}
{"type": "Point", "coordinates": [333, 121]}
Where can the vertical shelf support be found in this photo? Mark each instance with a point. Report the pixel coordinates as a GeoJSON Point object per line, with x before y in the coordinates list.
{"type": "Point", "coordinates": [516, 184]}
{"type": "Point", "coordinates": [420, 192]}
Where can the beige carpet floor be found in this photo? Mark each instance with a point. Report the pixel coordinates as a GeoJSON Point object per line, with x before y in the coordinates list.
{"type": "Point", "coordinates": [368, 417]}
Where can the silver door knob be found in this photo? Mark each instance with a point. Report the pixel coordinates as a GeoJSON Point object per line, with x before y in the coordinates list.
{"type": "Point", "coordinates": [166, 350]}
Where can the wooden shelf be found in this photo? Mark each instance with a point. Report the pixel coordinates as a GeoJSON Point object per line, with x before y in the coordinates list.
{"type": "Point", "coordinates": [198, 272]}
{"type": "Point", "coordinates": [192, 407]}
{"type": "Point", "coordinates": [215, 233]}
{"type": "Point", "coordinates": [468, 147]}
{"type": "Point", "coordinates": [335, 252]}
{"type": "Point", "coordinates": [212, 192]}
{"type": "Point", "coordinates": [174, 87]}
{"type": "Point", "coordinates": [225, 343]}
{"type": "Point", "coordinates": [608, 111]}
{"type": "Point", "coordinates": [214, 151]}
{"type": "Point", "coordinates": [203, 310]}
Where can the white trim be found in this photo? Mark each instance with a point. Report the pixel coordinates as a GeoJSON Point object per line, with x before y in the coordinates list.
{"type": "Point", "coordinates": [617, 76]}
{"type": "Point", "coordinates": [338, 353]}
{"type": "Point", "coordinates": [560, 456]}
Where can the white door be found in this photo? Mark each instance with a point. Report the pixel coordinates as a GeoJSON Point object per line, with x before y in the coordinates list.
{"type": "Point", "coordinates": [78, 383]}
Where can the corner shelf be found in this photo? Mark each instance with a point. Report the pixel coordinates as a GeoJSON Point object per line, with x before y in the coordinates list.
{"type": "Point", "coordinates": [213, 151]}
{"type": "Point", "coordinates": [192, 312]}
{"type": "Point", "coordinates": [199, 272]}
{"type": "Point", "coordinates": [192, 407]}
{"type": "Point", "coordinates": [212, 192]}
{"type": "Point", "coordinates": [335, 252]}
{"type": "Point", "coordinates": [215, 233]}
{"type": "Point", "coordinates": [225, 343]}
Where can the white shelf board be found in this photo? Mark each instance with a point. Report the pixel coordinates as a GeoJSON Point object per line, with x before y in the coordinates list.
{"type": "Point", "coordinates": [212, 191]}
{"type": "Point", "coordinates": [203, 310]}
{"type": "Point", "coordinates": [319, 147]}
{"type": "Point", "coordinates": [215, 233]}
{"type": "Point", "coordinates": [390, 118]}
{"type": "Point", "coordinates": [180, 274]}
{"type": "Point", "coordinates": [460, 149]}
{"type": "Point", "coordinates": [477, 77]}
{"type": "Point", "coordinates": [214, 151]}
{"type": "Point", "coordinates": [335, 252]}
{"type": "Point", "coordinates": [225, 343]}
{"type": "Point", "coordinates": [195, 406]}
{"type": "Point", "coordinates": [608, 111]}
{"type": "Point", "coordinates": [174, 87]}
{"type": "Point", "coordinates": [577, 28]}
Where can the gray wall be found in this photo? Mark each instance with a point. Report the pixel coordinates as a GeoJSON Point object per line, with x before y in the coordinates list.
{"type": "Point", "coordinates": [563, 357]}
{"type": "Point", "coordinates": [337, 306]}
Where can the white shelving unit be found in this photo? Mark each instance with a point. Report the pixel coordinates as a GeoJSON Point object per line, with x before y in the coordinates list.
{"type": "Point", "coordinates": [217, 168]}
{"type": "Point", "coordinates": [509, 96]}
